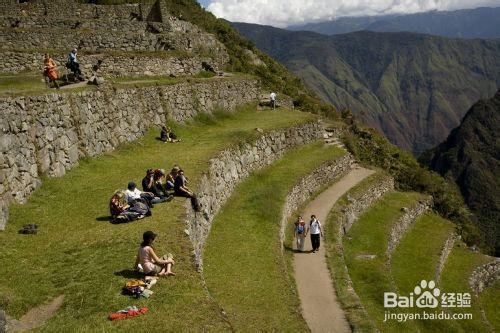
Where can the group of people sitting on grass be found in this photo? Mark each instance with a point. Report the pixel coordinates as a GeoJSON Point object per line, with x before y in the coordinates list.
{"type": "Point", "coordinates": [133, 204]}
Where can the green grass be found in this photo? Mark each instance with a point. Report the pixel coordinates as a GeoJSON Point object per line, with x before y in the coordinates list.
{"type": "Point", "coordinates": [357, 317]}
{"type": "Point", "coordinates": [26, 83]}
{"type": "Point", "coordinates": [422, 257]}
{"type": "Point", "coordinates": [455, 276]}
{"type": "Point", "coordinates": [79, 254]}
{"type": "Point", "coordinates": [489, 301]}
{"type": "Point", "coordinates": [243, 266]}
{"type": "Point", "coordinates": [369, 235]}
{"type": "Point", "coordinates": [415, 260]}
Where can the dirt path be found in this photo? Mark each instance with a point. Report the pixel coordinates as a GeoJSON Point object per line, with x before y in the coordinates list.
{"type": "Point", "coordinates": [320, 307]}
{"type": "Point", "coordinates": [35, 317]}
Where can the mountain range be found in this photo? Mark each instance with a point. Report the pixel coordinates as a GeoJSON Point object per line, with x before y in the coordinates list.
{"type": "Point", "coordinates": [465, 23]}
{"type": "Point", "coordinates": [471, 157]}
{"type": "Point", "coordinates": [414, 88]}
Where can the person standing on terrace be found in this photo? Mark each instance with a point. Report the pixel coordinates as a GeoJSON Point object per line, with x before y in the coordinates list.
{"type": "Point", "coordinates": [49, 70]}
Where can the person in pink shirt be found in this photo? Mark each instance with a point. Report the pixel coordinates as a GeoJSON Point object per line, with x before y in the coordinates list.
{"type": "Point", "coordinates": [150, 262]}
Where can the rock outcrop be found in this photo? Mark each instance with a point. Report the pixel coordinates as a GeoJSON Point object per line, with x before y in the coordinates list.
{"type": "Point", "coordinates": [484, 276]}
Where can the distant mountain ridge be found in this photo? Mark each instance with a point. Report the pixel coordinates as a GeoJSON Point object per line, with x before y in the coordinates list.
{"type": "Point", "coordinates": [481, 22]}
{"type": "Point", "coordinates": [471, 157]}
{"type": "Point", "coordinates": [414, 88]}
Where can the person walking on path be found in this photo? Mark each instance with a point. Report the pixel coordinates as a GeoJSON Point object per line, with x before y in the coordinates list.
{"type": "Point", "coordinates": [300, 233]}
{"type": "Point", "coordinates": [316, 231]}
{"type": "Point", "coordinates": [272, 98]}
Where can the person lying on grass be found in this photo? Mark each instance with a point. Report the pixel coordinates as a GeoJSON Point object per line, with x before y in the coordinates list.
{"type": "Point", "coordinates": [149, 261]}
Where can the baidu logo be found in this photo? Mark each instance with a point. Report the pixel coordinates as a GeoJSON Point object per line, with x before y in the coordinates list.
{"type": "Point", "coordinates": [427, 295]}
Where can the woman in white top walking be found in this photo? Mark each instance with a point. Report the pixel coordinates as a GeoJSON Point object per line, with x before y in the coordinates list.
{"type": "Point", "coordinates": [316, 231]}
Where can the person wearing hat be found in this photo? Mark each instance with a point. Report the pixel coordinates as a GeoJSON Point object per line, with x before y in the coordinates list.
{"type": "Point", "coordinates": [151, 264]}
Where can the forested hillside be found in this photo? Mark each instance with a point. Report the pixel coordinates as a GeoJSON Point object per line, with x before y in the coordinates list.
{"type": "Point", "coordinates": [471, 157]}
{"type": "Point", "coordinates": [414, 88]}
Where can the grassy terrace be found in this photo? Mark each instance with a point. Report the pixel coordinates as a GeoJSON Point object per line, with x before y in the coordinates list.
{"type": "Point", "coordinates": [79, 254]}
{"type": "Point", "coordinates": [455, 276]}
{"type": "Point", "coordinates": [489, 302]}
{"type": "Point", "coordinates": [33, 84]}
{"type": "Point", "coordinates": [352, 306]}
{"type": "Point", "coordinates": [424, 256]}
{"type": "Point", "coordinates": [243, 266]}
{"type": "Point", "coordinates": [369, 236]}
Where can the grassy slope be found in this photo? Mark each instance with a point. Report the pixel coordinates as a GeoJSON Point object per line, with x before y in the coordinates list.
{"type": "Point", "coordinates": [489, 301]}
{"type": "Point", "coordinates": [369, 235]}
{"type": "Point", "coordinates": [79, 254]}
{"type": "Point", "coordinates": [243, 268]}
{"type": "Point", "coordinates": [423, 258]}
{"type": "Point", "coordinates": [456, 272]}
{"type": "Point", "coordinates": [357, 317]}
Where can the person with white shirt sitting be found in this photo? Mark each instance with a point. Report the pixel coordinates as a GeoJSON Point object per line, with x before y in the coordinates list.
{"type": "Point", "coordinates": [316, 231]}
{"type": "Point", "coordinates": [133, 194]}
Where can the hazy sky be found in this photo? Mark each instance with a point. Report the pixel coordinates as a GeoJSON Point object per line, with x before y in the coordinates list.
{"type": "Point", "coordinates": [281, 13]}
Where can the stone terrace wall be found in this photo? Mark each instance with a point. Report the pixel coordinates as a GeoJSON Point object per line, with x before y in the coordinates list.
{"type": "Point", "coordinates": [484, 276]}
{"type": "Point", "coordinates": [48, 134]}
{"type": "Point", "coordinates": [358, 203]}
{"type": "Point", "coordinates": [111, 65]}
{"type": "Point", "coordinates": [404, 222]}
{"type": "Point", "coordinates": [231, 166]}
{"type": "Point", "coordinates": [72, 9]}
{"type": "Point", "coordinates": [311, 184]}
{"type": "Point", "coordinates": [94, 41]}
{"type": "Point", "coordinates": [445, 252]}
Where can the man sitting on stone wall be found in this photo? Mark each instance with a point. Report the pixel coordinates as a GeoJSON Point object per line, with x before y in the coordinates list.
{"type": "Point", "coordinates": [181, 190]}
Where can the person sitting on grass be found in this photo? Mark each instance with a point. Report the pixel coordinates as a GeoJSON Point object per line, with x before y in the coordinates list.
{"type": "Point", "coordinates": [181, 190]}
{"type": "Point", "coordinates": [149, 261]}
{"type": "Point", "coordinates": [133, 194]}
{"type": "Point", "coordinates": [167, 135]}
{"type": "Point", "coordinates": [149, 184]}
{"type": "Point", "coordinates": [122, 212]}
{"type": "Point", "coordinates": [50, 70]}
{"type": "Point", "coordinates": [170, 178]}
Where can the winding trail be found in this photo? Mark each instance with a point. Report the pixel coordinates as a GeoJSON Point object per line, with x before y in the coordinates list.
{"type": "Point", "coordinates": [320, 306]}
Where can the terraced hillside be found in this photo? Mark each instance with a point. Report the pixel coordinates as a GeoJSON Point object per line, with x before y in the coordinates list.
{"type": "Point", "coordinates": [393, 243]}
{"type": "Point", "coordinates": [64, 153]}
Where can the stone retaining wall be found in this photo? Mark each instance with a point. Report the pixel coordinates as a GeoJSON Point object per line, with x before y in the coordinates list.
{"type": "Point", "coordinates": [484, 276]}
{"type": "Point", "coordinates": [95, 41]}
{"type": "Point", "coordinates": [358, 203]}
{"type": "Point", "coordinates": [111, 65]}
{"type": "Point", "coordinates": [72, 9]}
{"type": "Point", "coordinates": [231, 166]}
{"type": "Point", "coordinates": [48, 134]}
{"type": "Point", "coordinates": [404, 222]}
{"type": "Point", "coordinates": [445, 252]}
{"type": "Point", "coordinates": [311, 184]}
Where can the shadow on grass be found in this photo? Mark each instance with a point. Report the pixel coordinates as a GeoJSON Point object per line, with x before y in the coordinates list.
{"type": "Point", "coordinates": [104, 218]}
{"type": "Point", "coordinates": [129, 274]}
